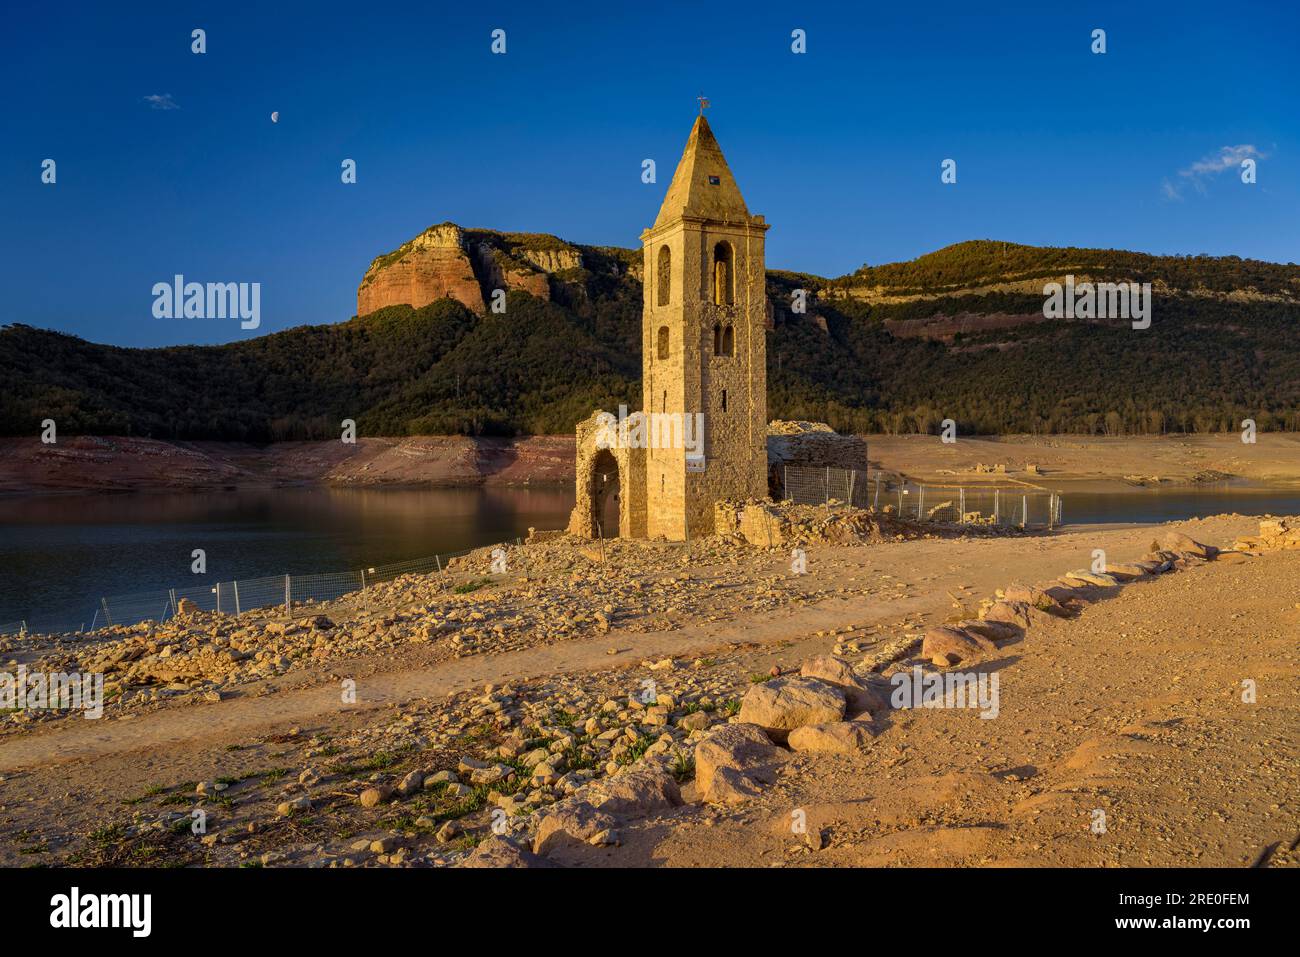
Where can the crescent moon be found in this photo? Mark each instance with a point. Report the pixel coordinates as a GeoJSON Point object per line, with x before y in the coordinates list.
{"type": "Point", "coordinates": [275, 117]}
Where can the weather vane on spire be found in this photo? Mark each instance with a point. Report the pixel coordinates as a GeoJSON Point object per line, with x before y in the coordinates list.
{"type": "Point", "coordinates": [704, 103]}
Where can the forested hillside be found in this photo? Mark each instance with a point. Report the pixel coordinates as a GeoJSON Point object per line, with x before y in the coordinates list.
{"type": "Point", "coordinates": [876, 351]}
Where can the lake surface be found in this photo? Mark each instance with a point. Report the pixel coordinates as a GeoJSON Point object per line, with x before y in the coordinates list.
{"type": "Point", "coordinates": [1170, 505]}
{"type": "Point", "coordinates": [59, 554]}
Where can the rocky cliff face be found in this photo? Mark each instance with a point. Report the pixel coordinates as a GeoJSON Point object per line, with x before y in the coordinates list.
{"type": "Point", "coordinates": [469, 265]}
{"type": "Point", "coordinates": [434, 265]}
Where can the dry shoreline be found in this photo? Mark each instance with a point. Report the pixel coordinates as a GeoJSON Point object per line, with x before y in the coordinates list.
{"type": "Point", "coordinates": [1132, 706]}
{"type": "Point", "coordinates": [1061, 462]}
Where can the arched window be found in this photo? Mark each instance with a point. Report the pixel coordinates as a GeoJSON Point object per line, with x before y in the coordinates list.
{"type": "Point", "coordinates": [664, 274]}
{"type": "Point", "coordinates": [728, 341]}
{"type": "Point", "coordinates": [717, 338]}
{"type": "Point", "coordinates": [663, 342]}
{"type": "Point", "coordinates": [722, 275]}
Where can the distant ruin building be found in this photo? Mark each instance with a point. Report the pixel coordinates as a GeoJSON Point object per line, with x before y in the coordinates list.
{"type": "Point", "coordinates": [702, 433]}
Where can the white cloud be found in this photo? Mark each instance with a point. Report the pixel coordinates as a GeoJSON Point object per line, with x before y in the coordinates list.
{"type": "Point", "coordinates": [161, 101]}
{"type": "Point", "coordinates": [1208, 167]}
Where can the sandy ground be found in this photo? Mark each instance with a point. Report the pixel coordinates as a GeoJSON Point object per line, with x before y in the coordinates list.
{"type": "Point", "coordinates": [128, 464]}
{"type": "Point", "coordinates": [1133, 709]}
{"type": "Point", "coordinates": [1095, 463]}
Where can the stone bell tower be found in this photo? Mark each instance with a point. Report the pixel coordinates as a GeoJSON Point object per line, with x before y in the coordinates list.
{"type": "Point", "coordinates": [704, 344]}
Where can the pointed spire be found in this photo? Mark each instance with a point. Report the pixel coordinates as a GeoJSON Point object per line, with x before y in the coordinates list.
{"type": "Point", "coordinates": [703, 185]}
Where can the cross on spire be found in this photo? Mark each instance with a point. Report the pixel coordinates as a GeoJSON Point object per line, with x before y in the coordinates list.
{"type": "Point", "coordinates": [704, 103]}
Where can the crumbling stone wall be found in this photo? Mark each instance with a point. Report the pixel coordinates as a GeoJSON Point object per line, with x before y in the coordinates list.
{"type": "Point", "coordinates": [592, 463]}
{"type": "Point", "coordinates": [810, 445]}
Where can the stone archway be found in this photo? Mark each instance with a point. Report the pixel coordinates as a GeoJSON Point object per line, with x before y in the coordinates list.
{"type": "Point", "coordinates": [609, 482]}
{"type": "Point", "coordinates": [605, 490]}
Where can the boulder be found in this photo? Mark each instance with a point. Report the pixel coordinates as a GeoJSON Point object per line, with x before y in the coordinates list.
{"type": "Point", "coordinates": [1034, 597]}
{"type": "Point", "coordinates": [640, 791]}
{"type": "Point", "coordinates": [1092, 578]}
{"type": "Point", "coordinates": [861, 696]}
{"type": "Point", "coordinates": [1012, 612]}
{"type": "Point", "coordinates": [497, 851]}
{"type": "Point", "coordinates": [992, 630]}
{"type": "Point", "coordinates": [783, 704]}
{"type": "Point", "coordinates": [1127, 572]}
{"type": "Point", "coordinates": [1178, 542]}
{"type": "Point", "coordinates": [570, 821]}
{"type": "Point", "coordinates": [729, 786]}
{"type": "Point", "coordinates": [838, 737]}
{"type": "Point", "coordinates": [945, 645]}
{"type": "Point", "coordinates": [738, 747]}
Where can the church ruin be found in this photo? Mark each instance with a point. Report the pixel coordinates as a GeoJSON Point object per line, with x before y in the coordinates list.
{"type": "Point", "coordinates": [701, 434]}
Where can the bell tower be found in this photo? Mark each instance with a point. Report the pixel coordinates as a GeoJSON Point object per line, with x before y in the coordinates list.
{"type": "Point", "coordinates": [704, 346]}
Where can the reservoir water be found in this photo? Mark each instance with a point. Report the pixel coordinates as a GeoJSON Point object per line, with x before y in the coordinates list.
{"type": "Point", "coordinates": [59, 554]}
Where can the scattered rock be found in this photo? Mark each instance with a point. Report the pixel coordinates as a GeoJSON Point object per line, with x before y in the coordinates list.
{"type": "Point", "coordinates": [839, 737]}
{"type": "Point", "coordinates": [744, 748]}
{"type": "Point", "coordinates": [945, 645]}
{"type": "Point", "coordinates": [783, 704]}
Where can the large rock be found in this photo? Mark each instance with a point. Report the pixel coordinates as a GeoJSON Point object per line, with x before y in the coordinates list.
{"type": "Point", "coordinates": [945, 645]}
{"type": "Point", "coordinates": [1178, 542]}
{"type": "Point", "coordinates": [497, 851]}
{"type": "Point", "coordinates": [838, 737]}
{"type": "Point", "coordinates": [1012, 612]}
{"type": "Point", "coordinates": [1100, 579]}
{"type": "Point", "coordinates": [1127, 572]}
{"type": "Point", "coordinates": [1034, 597]}
{"type": "Point", "coordinates": [729, 786]}
{"type": "Point", "coordinates": [994, 631]}
{"type": "Point", "coordinates": [783, 704]}
{"type": "Point", "coordinates": [640, 791]}
{"type": "Point", "coordinates": [744, 748]}
{"type": "Point", "coordinates": [570, 822]}
{"type": "Point", "coordinates": [861, 696]}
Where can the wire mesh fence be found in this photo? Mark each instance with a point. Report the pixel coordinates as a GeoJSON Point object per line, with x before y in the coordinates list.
{"type": "Point", "coordinates": [961, 504]}
{"type": "Point", "coordinates": [286, 594]}
{"type": "Point", "coordinates": [13, 628]}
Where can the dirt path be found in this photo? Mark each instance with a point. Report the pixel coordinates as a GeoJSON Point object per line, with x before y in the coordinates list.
{"type": "Point", "coordinates": [1123, 738]}
{"type": "Point", "coordinates": [929, 571]}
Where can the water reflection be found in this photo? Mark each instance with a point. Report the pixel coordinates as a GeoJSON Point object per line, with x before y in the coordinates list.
{"type": "Point", "coordinates": [59, 554]}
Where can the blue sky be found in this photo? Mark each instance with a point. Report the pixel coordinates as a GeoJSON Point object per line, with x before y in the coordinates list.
{"type": "Point", "coordinates": [840, 147]}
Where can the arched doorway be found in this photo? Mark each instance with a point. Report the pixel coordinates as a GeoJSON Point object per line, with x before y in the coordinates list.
{"type": "Point", "coordinates": [606, 495]}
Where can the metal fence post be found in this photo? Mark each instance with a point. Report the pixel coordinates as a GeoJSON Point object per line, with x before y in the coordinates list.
{"type": "Point", "coordinates": [997, 508]}
{"type": "Point", "coordinates": [438, 561]}
{"type": "Point", "coordinates": [828, 486]}
{"type": "Point", "coordinates": [236, 584]}
{"type": "Point", "coordinates": [853, 474]}
{"type": "Point", "coordinates": [286, 594]}
{"type": "Point", "coordinates": [876, 503]}
{"type": "Point", "coordinates": [962, 507]}
{"type": "Point", "coordinates": [920, 502]}
{"type": "Point", "coordinates": [785, 481]}
{"type": "Point", "coordinates": [1024, 510]}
